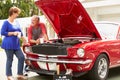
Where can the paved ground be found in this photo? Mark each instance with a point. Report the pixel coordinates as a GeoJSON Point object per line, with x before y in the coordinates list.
{"type": "Point", "coordinates": [114, 74]}
{"type": "Point", "coordinates": [14, 66]}
{"type": "Point", "coordinates": [2, 65]}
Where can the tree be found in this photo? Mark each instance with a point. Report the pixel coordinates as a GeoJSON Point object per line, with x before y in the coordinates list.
{"type": "Point", "coordinates": [4, 7]}
{"type": "Point", "coordinates": [27, 7]}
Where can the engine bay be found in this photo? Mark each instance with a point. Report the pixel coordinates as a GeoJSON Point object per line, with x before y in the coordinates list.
{"type": "Point", "coordinates": [58, 46]}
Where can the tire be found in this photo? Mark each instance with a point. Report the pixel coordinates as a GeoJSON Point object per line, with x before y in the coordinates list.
{"type": "Point", "coordinates": [100, 69]}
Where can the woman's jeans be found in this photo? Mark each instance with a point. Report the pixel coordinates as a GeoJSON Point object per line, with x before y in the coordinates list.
{"type": "Point", "coordinates": [19, 54]}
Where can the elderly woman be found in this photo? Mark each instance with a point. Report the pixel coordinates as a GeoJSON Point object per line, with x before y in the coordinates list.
{"type": "Point", "coordinates": [11, 44]}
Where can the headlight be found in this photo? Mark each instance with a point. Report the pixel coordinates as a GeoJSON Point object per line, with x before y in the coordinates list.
{"type": "Point", "coordinates": [28, 49]}
{"type": "Point", "coordinates": [80, 52]}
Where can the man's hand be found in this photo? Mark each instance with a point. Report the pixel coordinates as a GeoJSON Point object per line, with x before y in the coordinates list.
{"type": "Point", "coordinates": [37, 41]}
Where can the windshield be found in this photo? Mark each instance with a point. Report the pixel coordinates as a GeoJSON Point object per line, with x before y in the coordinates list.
{"type": "Point", "coordinates": [107, 30]}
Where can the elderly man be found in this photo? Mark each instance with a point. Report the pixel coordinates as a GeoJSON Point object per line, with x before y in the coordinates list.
{"type": "Point", "coordinates": [37, 32]}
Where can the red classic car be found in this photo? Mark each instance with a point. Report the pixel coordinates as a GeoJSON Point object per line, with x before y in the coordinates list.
{"type": "Point", "coordinates": [82, 47]}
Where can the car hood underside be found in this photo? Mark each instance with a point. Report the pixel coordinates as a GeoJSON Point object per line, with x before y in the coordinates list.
{"type": "Point", "coordinates": [68, 18]}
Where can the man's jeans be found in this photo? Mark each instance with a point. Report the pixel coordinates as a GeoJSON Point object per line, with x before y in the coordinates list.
{"type": "Point", "coordinates": [19, 54]}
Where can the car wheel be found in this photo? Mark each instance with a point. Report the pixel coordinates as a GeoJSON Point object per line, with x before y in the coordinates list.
{"type": "Point", "coordinates": [100, 69]}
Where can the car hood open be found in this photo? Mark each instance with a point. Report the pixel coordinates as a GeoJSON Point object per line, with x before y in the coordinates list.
{"type": "Point", "coordinates": [68, 18]}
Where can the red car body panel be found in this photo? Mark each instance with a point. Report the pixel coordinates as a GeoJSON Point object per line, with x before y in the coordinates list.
{"type": "Point", "coordinates": [70, 21]}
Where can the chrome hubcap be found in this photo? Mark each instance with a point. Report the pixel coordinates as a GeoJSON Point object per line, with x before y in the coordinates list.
{"type": "Point", "coordinates": [102, 68]}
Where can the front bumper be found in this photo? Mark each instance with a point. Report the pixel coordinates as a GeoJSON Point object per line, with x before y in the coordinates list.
{"type": "Point", "coordinates": [48, 66]}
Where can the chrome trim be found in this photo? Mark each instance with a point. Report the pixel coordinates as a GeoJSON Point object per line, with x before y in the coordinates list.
{"type": "Point", "coordinates": [62, 61]}
{"type": "Point", "coordinates": [51, 56]}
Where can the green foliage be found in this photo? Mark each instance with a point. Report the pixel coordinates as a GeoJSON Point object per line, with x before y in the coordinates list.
{"type": "Point", "coordinates": [4, 7]}
{"type": "Point", "coordinates": [21, 42]}
{"type": "Point", "coordinates": [27, 7]}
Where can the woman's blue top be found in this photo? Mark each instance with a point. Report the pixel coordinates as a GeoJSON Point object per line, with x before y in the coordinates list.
{"type": "Point", "coordinates": [10, 42]}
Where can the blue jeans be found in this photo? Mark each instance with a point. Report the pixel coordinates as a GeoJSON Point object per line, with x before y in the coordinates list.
{"type": "Point", "coordinates": [19, 54]}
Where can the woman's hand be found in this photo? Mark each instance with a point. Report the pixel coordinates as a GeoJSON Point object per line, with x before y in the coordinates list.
{"type": "Point", "coordinates": [15, 33]}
